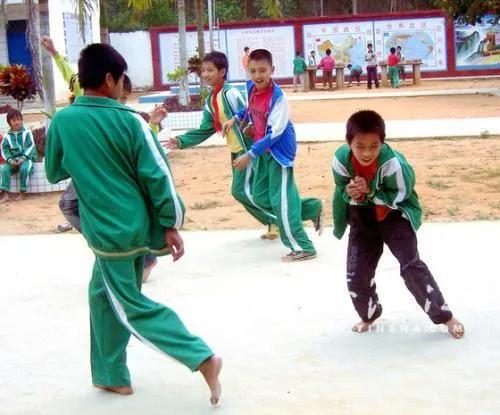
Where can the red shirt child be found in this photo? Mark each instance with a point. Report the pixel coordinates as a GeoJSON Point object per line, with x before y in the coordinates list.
{"type": "Point", "coordinates": [259, 105]}
{"type": "Point", "coordinates": [393, 59]}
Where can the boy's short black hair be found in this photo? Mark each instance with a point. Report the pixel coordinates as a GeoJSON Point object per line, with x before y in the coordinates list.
{"type": "Point", "coordinates": [246, 49]}
{"type": "Point", "coordinates": [349, 65]}
{"type": "Point", "coordinates": [313, 51]}
{"type": "Point", "coordinates": [328, 52]}
{"type": "Point", "coordinates": [96, 60]}
{"type": "Point", "coordinates": [261, 55]}
{"type": "Point", "coordinates": [398, 47]}
{"type": "Point", "coordinates": [13, 113]}
{"type": "Point", "coordinates": [392, 50]}
{"type": "Point", "coordinates": [297, 53]}
{"type": "Point", "coordinates": [369, 44]}
{"type": "Point", "coordinates": [365, 121]}
{"type": "Point", "coordinates": [219, 60]}
{"type": "Point", "coordinates": [127, 84]}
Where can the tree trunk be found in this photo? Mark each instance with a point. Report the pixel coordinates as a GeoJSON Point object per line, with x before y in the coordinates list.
{"type": "Point", "coordinates": [250, 10]}
{"type": "Point", "coordinates": [200, 21]}
{"type": "Point", "coordinates": [183, 84]}
{"type": "Point", "coordinates": [48, 85]}
{"type": "Point", "coordinates": [355, 7]}
{"type": "Point", "coordinates": [103, 21]}
{"type": "Point", "coordinates": [4, 57]}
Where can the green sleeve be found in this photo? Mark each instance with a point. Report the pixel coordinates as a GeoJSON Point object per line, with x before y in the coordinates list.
{"type": "Point", "coordinates": [196, 136]}
{"type": "Point", "coordinates": [29, 150]}
{"type": "Point", "coordinates": [54, 154]}
{"type": "Point", "coordinates": [397, 186]}
{"type": "Point", "coordinates": [7, 155]}
{"type": "Point", "coordinates": [154, 174]}
{"type": "Point", "coordinates": [68, 74]}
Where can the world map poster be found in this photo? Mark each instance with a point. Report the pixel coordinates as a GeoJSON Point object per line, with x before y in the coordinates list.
{"type": "Point", "coordinates": [422, 39]}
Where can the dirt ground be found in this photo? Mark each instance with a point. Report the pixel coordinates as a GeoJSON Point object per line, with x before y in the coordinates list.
{"type": "Point", "coordinates": [456, 180]}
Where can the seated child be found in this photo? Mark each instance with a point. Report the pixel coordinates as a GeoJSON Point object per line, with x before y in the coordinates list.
{"type": "Point", "coordinates": [19, 152]}
{"type": "Point", "coordinates": [375, 195]}
{"type": "Point", "coordinates": [355, 74]}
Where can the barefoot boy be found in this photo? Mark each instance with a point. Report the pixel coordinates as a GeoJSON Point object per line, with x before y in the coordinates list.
{"type": "Point", "coordinates": [128, 207]}
{"type": "Point", "coordinates": [272, 155]}
{"type": "Point", "coordinates": [19, 152]}
{"type": "Point", "coordinates": [221, 104]}
{"type": "Point", "coordinates": [374, 193]}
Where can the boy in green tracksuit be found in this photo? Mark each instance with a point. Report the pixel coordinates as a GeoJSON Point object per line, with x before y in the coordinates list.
{"type": "Point", "coordinates": [375, 195]}
{"type": "Point", "coordinates": [272, 156]}
{"type": "Point", "coordinates": [299, 69]}
{"type": "Point", "coordinates": [128, 207]}
{"type": "Point", "coordinates": [19, 151]}
{"type": "Point", "coordinates": [221, 104]}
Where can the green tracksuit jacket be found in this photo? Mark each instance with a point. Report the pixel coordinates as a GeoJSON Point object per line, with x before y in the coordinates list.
{"type": "Point", "coordinates": [17, 144]}
{"type": "Point", "coordinates": [393, 186]}
{"type": "Point", "coordinates": [122, 177]}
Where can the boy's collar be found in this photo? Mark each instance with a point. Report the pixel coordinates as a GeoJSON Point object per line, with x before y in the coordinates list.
{"type": "Point", "coordinates": [96, 101]}
{"type": "Point", "coordinates": [20, 131]}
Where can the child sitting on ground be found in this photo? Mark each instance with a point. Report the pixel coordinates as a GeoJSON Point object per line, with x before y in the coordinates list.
{"type": "Point", "coordinates": [19, 152]}
{"type": "Point", "coordinates": [375, 195]}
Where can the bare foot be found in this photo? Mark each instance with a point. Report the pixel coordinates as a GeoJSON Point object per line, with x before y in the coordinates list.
{"type": "Point", "coordinates": [272, 233]}
{"type": "Point", "coordinates": [120, 390]}
{"type": "Point", "coordinates": [4, 197]}
{"type": "Point", "coordinates": [362, 326]}
{"type": "Point", "coordinates": [147, 271]}
{"type": "Point", "coordinates": [455, 328]}
{"type": "Point", "coordinates": [210, 369]}
{"type": "Point", "coordinates": [21, 196]}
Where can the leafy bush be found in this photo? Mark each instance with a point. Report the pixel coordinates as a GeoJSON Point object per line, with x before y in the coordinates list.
{"type": "Point", "coordinates": [16, 81]}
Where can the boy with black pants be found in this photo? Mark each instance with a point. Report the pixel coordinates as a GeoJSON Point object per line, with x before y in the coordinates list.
{"type": "Point", "coordinates": [375, 194]}
{"type": "Point", "coordinates": [371, 66]}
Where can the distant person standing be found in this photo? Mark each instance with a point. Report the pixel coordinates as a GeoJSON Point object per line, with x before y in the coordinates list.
{"type": "Point", "coordinates": [393, 61]}
{"type": "Point", "coordinates": [371, 66]}
{"type": "Point", "coordinates": [299, 68]}
{"type": "Point", "coordinates": [244, 60]}
{"type": "Point", "coordinates": [401, 68]}
{"type": "Point", "coordinates": [327, 64]}
{"type": "Point", "coordinates": [311, 59]}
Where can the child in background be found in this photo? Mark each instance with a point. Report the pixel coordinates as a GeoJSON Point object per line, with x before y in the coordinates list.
{"type": "Point", "coordinates": [272, 155]}
{"type": "Point", "coordinates": [299, 68]}
{"type": "Point", "coordinates": [392, 71]}
{"type": "Point", "coordinates": [129, 207]}
{"type": "Point", "coordinates": [19, 151]}
{"type": "Point", "coordinates": [371, 67]}
{"type": "Point", "coordinates": [401, 69]}
{"type": "Point", "coordinates": [327, 64]}
{"type": "Point", "coordinates": [355, 73]}
{"type": "Point", "coordinates": [221, 104]}
{"type": "Point", "coordinates": [375, 195]}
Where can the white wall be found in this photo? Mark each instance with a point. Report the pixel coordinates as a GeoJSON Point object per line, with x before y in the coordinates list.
{"type": "Point", "coordinates": [136, 49]}
{"type": "Point", "coordinates": [57, 8]}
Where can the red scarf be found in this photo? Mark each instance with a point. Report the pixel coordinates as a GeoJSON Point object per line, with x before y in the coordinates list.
{"type": "Point", "coordinates": [217, 123]}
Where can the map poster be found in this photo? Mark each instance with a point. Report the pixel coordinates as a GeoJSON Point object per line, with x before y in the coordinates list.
{"type": "Point", "coordinates": [478, 46]}
{"type": "Point", "coordinates": [169, 51]}
{"type": "Point", "coordinates": [346, 40]}
{"type": "Point", "coordinates": [422, 39]}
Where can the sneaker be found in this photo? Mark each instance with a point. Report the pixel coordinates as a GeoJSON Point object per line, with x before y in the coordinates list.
{"type": "Point", "coordinates": [298, 256]}
{"type": "Point", "coordinates": [272, 233]}
{"type": "Point", "coordinates": [319, 222]}
{"type": "Point", "coordinates": [64, 227]}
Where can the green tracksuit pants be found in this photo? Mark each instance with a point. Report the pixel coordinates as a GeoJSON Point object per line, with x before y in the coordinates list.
{"type": "Point", "coordinates": [119, 309]}
{"type": "Point", "coordinates": [241, 189]}
{"type": "Point", "coordinates": [274, 188]}
{"type": "Point", "coordinates": [24, 172]}
{"type": "Point", "coordinates": [393, 76]}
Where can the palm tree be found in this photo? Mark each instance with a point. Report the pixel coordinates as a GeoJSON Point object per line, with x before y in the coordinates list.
{"type": "Point", "coordinates": [184, 98]}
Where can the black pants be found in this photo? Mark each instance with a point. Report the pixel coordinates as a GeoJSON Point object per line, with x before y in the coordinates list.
{"type": "Point", "coordinates": [366, 241]}
{"type": "Point", "coordinates": [371, 72]}
{"type": "Point", "coordinates": [356, 76]}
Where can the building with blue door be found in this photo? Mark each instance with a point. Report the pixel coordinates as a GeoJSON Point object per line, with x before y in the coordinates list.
{"type": "Point", "coordinates": [64, 31]}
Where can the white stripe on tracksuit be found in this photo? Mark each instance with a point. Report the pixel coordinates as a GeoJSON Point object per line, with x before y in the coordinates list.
{"type": "Point", "coordinates": [248, 172]}
{"type": "Point", "coordinates": [284, 210]}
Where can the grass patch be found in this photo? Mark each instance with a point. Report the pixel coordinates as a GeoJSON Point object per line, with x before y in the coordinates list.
{"type": "Point", "coordinates": [453, 211]}
{"type": "Point", "coordinates": [209, 204]}
{"type": "Point", "coordinates": [437, 184]}
{"type": "Point", "coordinates": [481, 216]}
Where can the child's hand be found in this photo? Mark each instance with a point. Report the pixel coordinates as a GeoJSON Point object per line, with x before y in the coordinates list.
{"type": "Point", "coordinates": [227, 126]}
{"type": "Point", "coordinates": [249, 131]}
{"type": "Point", "coordinates": [13, 163]}
{"type": "Point", "coordinates": [242, 162]}
{"type": "Point", "coordinates": [172, 143]}
{"type": "Point", "coordinates": [174, 242]}
{"type": "Point", "coordinates": [353, 191]}
{"type": "Point", "coordinates": [361, 184]}
{"type": "Point", "coordinates": [21, 161]}
{"type": "Point", "coordinates": [158, 114]}
{"type": "Point", "coordinates": [48, 44]}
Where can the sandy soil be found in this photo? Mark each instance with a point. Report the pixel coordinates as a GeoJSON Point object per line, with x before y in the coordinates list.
{"type": "Point", "coordinates": [456, 180]}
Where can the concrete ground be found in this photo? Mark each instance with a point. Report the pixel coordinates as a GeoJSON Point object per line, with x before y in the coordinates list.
{"type": "Point", "coordinates": [282, 329]}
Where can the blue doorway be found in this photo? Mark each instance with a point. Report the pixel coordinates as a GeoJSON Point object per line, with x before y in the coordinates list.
{"type": "Point", "coordinates": [16, 42]}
